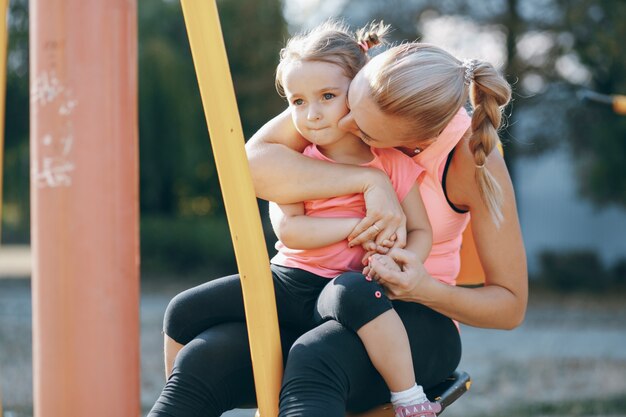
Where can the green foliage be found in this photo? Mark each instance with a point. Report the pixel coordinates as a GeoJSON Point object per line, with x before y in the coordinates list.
{"type": "Point", "coordinates": [579, 271]}
{"type": "Point", "coordinates": [598, 135]}
{"type": "Point", "coordinates": [177, 168]}
{"type": "Point", "coordinates": [577, 36]}
{"type": "Point", "coordinates": [186, 246]}
{"type": "Point", "coordinates": [16, 201]}
{"type": "Point", "coordinates": [185, 224]}
{"type": "Point", "coordinates": [189, 246]}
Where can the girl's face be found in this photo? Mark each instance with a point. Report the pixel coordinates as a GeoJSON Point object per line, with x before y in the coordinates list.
{"type": "Point", "coordinates": [317, 95]}
{"type": "Point", "coordinates": [369, 123]}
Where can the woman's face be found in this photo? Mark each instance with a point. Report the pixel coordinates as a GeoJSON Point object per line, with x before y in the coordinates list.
{"type": "Point", "coordinates": [369, 123]}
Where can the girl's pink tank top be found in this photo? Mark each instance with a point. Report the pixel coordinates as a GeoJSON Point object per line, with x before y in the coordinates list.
{"type": "Point", "coordinates": [444, 262]}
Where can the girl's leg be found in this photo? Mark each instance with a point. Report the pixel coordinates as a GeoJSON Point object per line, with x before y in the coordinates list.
{"type": "Point", "coordinates": [328, 370]}
{"type": "Point", "coordinates": [361, 306]}
{"type": "Point", "coordinates": [212, 374]}
{"type": "Point", "coordinates": [387, 345]}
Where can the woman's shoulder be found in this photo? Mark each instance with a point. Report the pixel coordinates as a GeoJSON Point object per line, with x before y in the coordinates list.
{"type": "Point", "coordinates": [461, 184]}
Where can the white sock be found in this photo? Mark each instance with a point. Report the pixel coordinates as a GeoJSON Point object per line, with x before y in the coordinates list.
{"type": "Point", "coordinates": [413, 395]}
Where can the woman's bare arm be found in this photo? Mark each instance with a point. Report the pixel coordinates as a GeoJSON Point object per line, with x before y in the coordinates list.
{"type": "Point", "coordinates": [501, 303]}
{"type": "Point", "coordinates": [282, 174]}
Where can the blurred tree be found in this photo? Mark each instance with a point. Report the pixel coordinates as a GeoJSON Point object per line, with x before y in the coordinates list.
{"type": "Point", "coordinates": [408, 18]}
{"type": "Point", "coordinates": [178, 176]}
{"type": "Point", "coordinates": [552, 48]}
{"type": "Point", "coordinates": [597, 134]}
{"type": "Point", "coordinates": [16, 220]}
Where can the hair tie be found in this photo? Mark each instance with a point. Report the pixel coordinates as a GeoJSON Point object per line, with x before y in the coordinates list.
{"type": "Point", "coordinates": [480, 166]}
{"type": "Point", "coordinates": [469, 65]}
{"type": "Point", "coordinates": [364, 46]}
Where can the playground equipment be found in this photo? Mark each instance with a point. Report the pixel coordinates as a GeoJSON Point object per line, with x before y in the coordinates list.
{"type": "Point", "coordinates": [84, 208]}
{"type": "Point", "coordinates": [220, 107]}
{"type": "Point", "coordinates": [616, 101]}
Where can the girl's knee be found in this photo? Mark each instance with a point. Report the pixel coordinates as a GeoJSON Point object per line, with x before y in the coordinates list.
{"type": "Point", "coordinates": [354, 290]}
{"type": "Point", "coordinates": [352, 300]}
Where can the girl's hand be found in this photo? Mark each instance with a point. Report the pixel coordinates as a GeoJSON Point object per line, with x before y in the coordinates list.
{"type": "Point", "coordinates": [383, 261]}
{"type": "Point", "coordinates": [370, 247]}
{"type": "Point", "coordinates": [384, 218]}
{"type": "Point", "coordinates": [402, 280]}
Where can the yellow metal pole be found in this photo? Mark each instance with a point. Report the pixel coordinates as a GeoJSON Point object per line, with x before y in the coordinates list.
{"type": "Point", "coordinates": [220, 107]}
{"type": "Point", "coordinates": [4, 4]}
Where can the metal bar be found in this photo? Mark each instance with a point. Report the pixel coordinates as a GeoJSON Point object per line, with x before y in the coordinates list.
{"type": "Point", "coordinates": [84, 208]}
{"type": "Point", "coordinates": [220, 107]}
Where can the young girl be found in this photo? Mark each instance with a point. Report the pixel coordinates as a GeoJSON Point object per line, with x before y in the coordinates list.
{"type": "Point", "coordinates": [314, 74]}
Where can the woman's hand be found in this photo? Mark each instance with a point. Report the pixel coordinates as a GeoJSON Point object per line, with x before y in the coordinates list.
{"type": "Point", "coordinates": [385, 217]}
{"type": "Point", "coordinates": [385, 262]}
{"type": "Point", "coordinates": [400, 272]}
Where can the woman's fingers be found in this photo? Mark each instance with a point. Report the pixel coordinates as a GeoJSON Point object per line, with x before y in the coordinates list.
{"type": "Point", "coordinates": [367, 231]}
{"type": "Point", "coordinates": [384, 268]}
{"type": "Point", "coordinates": [402, 256]}
{"type": "Point", "coordinates": [363, 232]}
{"type": "Point", "coordinates": [400, 237]}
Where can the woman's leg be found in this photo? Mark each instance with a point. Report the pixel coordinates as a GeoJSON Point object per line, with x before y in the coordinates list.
{"type": "Point", "coordinates": [221, 301]}
{"type": "Point", "coordinates": [194, 310]}
{"type": "Point", "coordinates": [207, 352]}
{"type": "Point", "coordinates": [170, 350]}
{"type": "Point", "coordinates": [212, 374]}
{"type": "Point", "coordinates": [328, 369]}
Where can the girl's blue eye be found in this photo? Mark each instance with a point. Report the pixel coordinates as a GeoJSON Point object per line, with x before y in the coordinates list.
{"type": "Point", "coordinates": [328, 96]}
{"type": "Point", "coordinates": [298, 101]}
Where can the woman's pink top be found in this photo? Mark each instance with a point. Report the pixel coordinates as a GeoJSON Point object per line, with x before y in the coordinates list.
{"type": "Point", "coordinates": [444, 262]}
{"type": "Point", "coordinates": [332, 260]}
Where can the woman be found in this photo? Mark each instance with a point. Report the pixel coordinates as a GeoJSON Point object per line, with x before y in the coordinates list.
{"type": "Point", "coordinates": [410, 97]}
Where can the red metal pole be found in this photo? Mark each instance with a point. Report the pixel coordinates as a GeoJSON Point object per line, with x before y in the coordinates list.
{"type": "Point", "coordinates": [84, 208]}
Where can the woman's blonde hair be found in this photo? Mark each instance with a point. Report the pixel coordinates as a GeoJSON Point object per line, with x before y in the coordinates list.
{"type": "Point", "coordinates": [426, 85]}
{"type": "Point", "coordinates": [332, 42]}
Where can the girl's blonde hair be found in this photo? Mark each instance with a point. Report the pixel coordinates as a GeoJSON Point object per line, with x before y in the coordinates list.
{"type": "Point", "coordinates": [426, 85]}
{"type": "Point", "coordinates": [332, 42]}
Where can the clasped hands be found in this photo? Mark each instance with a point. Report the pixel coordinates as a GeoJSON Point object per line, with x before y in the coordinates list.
{"type": "Point", "coordinates": [399, 271]}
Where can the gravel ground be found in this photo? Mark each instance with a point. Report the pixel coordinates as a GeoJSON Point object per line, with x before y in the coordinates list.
{"type": "Point", "coordinates": [570, 352]}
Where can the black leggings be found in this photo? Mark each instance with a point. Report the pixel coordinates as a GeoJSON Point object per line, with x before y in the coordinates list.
{"type": "Point", "coordinates": [327, 369]}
